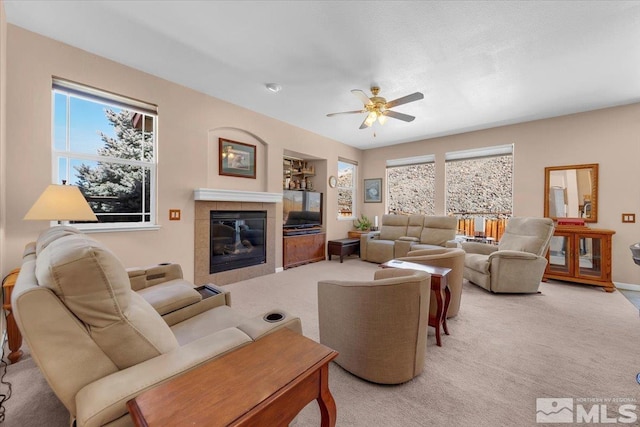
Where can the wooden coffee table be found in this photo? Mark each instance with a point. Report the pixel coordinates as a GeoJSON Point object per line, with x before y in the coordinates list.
{"type": "Point", "coordinates": [265, 383]}
{"type": "Point", "coordinates": [439, 285]}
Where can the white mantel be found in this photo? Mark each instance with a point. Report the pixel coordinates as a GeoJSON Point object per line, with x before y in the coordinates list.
{"type": "Point", "coordinates": [215, 195]}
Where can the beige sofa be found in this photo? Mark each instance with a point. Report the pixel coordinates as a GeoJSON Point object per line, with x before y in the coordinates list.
{"type": "Point", "coordinates": [400, 234]}
{"type": "Point", "coordinates": [99, 343]}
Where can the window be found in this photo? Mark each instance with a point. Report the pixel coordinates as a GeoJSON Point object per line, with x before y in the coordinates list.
{"type": "Point", "coordinates": [480, 188]}
{"type": "Point", "coordinates": [411, 185]}
{"type": "Point", "coordinates": [346, 189]}
{"type": "Point", "coordinates": [106, 145]}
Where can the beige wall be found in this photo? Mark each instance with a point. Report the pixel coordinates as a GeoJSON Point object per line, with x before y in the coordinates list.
{"type": "Point", "coordinates": [191, 122]}
{"type": "Point", "coordinates": [3, 181]}
{"type": "Point", "coordinates": [189, 125]}
{"type": "Point", "coordinates": [609, 137]}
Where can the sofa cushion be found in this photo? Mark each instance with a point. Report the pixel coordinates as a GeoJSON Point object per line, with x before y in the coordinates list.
{"type": "Point", "coordinates": [393, 227]}
{"type": "Point", "coordinates": [414, 227]}
{"type": "Point", "coordinates": [170, 296]}
{"type": "Point", "coordinates": [54, 233]}
{"type": "Point", "coordinates": [438, 230]}
{"type": "Point", "coordinates": [477, 262]}
{"type": "Point", "coordinates": [91, 281]}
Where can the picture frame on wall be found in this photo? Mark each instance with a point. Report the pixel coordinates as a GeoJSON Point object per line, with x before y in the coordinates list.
{"type": "Point", "coordinates": [373, 190]}
{"type": "Point", "coordinates": [236, 159]}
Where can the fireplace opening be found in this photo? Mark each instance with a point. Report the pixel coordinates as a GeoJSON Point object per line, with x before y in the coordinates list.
{"type": "Point", "coordinates": [238, 239]}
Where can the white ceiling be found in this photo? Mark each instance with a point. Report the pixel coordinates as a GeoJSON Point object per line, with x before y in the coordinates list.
{"type": "Point", "coordinates": [479, 64]}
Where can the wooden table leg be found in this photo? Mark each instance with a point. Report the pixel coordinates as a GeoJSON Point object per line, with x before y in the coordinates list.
{"type": "Point", "coordinates": [447, 301]}
{"type": "Point", "coordinates": [437, 290]}
{"type": "Point", "coordinates": [325, 400]}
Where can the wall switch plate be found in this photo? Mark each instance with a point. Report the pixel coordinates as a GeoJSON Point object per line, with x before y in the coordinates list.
{"type": "Point", "coordinates": [174, 214]}
{"type": "Point", "coordinates": [628, 217]}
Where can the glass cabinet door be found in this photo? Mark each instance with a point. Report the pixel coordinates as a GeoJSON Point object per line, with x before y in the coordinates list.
{"type": "Point", "coordinates": [560, 255]}
{"type": "Point", "coordinates": [589, 257]}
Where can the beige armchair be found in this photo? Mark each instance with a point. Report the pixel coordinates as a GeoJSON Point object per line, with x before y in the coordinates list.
{"type": "Point", "coordinates": [379, 327]}
{"type": "Point", "coordinates": [97, 342]}
{"type": "Point", "coordinates": [517, 263]}
{"type": "Point", "coordinates": [452, 258]}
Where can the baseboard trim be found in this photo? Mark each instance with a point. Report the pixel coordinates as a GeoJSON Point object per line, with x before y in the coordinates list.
{"type": "Point", "coordinates": [279, 269]}
{"type": "Point", "coordinates": [627, 286]}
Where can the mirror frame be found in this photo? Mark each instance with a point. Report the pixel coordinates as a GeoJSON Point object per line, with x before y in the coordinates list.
{"type": "Point", "coordinates": [594, 188]}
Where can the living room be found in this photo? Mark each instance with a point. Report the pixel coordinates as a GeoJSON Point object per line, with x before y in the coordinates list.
{"type": "Point", "coordinates": [191, 123]}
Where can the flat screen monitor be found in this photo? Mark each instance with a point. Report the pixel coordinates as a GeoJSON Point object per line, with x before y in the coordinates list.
{"type": "Point", "coordinates": [302, 209]}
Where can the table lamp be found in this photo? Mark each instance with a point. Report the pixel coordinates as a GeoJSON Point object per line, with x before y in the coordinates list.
{"type": "Point", "coordinates": [61, 203]}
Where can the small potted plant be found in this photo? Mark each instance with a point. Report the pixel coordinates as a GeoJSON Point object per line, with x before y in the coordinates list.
{"type": "Point", "coordinates": [362, 224]}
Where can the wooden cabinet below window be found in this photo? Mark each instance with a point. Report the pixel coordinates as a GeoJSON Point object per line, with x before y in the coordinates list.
{"type": "Point", "coordinates": [582, 255]}
{"type": "Point", "coordinates": [302, 249]}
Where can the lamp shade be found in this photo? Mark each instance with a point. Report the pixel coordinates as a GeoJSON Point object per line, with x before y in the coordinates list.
{"type": "Point", "coordinates": [61, 203]}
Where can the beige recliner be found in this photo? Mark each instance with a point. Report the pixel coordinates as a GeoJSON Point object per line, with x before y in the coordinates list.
{"type": "Point", "coordinates": [379, 327]}
{"type": "Point", "coordinates": [97, 342]}
{"type": "Point", "coordinates": [452, 258]}
{"type": "Point", "coordinates": [517, 263]}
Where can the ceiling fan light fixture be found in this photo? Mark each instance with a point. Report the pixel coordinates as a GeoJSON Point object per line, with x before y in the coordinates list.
{"type": "Point", "coordinates": [273, 87]}
{"type": "Point", "coordinates": [371, 118]}
{"type": "Point", "coordinates": [382, 119]}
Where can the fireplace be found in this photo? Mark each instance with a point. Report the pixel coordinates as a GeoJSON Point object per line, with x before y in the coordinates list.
{"type": "Point", "coordinates": [237, 239]}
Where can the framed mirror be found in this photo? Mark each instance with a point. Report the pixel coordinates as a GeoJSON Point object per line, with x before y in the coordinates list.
{"type": "Point", "coordinates": [571, 192]}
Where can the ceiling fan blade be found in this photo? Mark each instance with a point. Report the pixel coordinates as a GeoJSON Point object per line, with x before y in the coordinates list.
{"type": "Point", "coordinates": [346, 112]}
{"type": "Point", "coordinates": [363, 96]}
{"type": "Point", "coordinates": [364, 124]}
{"type": "Point", "coordinates": [399, 116]}
{"type": "Point", "coordinates": [404, 100]}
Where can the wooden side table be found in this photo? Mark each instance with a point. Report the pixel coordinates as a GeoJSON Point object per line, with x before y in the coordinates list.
{"type": "Point", "coordinates": [13, 333]}
{"type": "Point", "coordinates": [265, 383]}
{"type": "Point", "coordinates": [342, 247]}
{"type": "Point", "coordinates": [439, 286]}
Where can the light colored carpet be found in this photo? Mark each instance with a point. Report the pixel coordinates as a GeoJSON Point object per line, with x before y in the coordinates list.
{"type": "Point", "coordinates": [504, 351]}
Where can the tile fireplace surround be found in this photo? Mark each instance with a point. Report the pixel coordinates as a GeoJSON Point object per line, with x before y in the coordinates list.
{"type": "Point", "coordinates": [207, 200]}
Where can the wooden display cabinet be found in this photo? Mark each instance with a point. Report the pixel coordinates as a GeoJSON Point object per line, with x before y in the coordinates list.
{"type": "Point", "coordinates": [582, 255]}
{"type": "Point", "coordinates": [302, 249]}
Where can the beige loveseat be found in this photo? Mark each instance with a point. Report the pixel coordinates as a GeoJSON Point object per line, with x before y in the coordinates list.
{"type": "Point", "coordinates": [99, 343]}
{"type": "Point", "coordinates": [400, 234]}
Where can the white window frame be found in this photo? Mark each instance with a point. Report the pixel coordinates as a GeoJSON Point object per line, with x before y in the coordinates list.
{"type": "Point", "coordinates": [76, 90]}
{"type": "Point", "coordinates": [353, 188]}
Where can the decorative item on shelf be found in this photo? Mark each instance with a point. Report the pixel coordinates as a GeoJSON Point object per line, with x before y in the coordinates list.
{"type": "Point", "coordinates": [292, 185]}
{"type": "Point", "coordinates": [309, 184]}
{"type": "Point", "coordinates": [303, 183]}
{"type": "Point", "coordinates": [363, 223]}
{"type": "Point", "coordinates": [287, 181]}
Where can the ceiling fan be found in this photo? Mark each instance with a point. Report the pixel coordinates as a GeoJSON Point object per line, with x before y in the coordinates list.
{"type": "Point", "coordinates": [379, 109]}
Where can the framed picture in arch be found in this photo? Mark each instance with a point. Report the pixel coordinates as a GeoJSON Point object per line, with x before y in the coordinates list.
{"type": "Point", "coordinates": [236, 159]}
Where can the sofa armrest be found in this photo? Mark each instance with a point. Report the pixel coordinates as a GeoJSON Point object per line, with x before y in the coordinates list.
{"type": "Point", "coordinates": [105, 400]}
{"type": "Point", "coordinates": [270, 322]}
{"type": "Point", "coordinates": [143, 277]}
{"type": "Point", "coordinates": [513, 255]}
{"type": "Point", "coordinates": [402, 246]}
{"type": "Point", "coordinates": [479, 248]}
{"type": "Point", "coordinates": [364, 239]}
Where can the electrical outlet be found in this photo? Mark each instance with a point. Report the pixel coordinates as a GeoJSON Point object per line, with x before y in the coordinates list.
{"type": "Point", "coordinates": [174, 214]}
{"type": "Point", "coordinates": [628, 217]}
